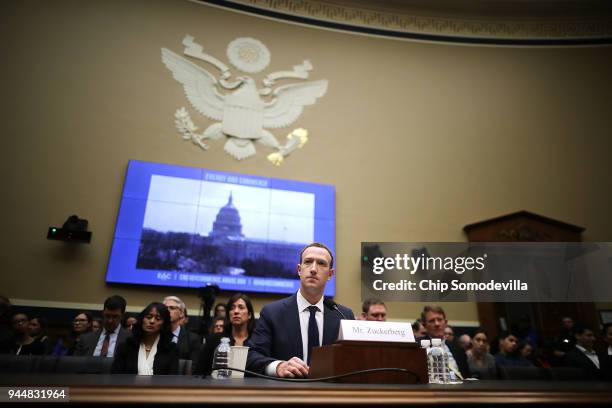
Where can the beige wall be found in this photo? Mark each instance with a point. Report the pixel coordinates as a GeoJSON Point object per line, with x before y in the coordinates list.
{"type": "Point", "coordinates": [418, 138]}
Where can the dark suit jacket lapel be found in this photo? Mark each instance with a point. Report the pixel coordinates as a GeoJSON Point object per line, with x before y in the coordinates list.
{"type": "Point", "coordinates": [182, 342]}
{"type": "Point", "coordinates": [97, 338]}
{"type": "Point", "coordinates": [588, 362]}
{"type": "Point", "coordinates": [292, 326]}
{"type": "Point", "coordinates": [331, 325]}
{"type": "Point", "coordinates": [91, 348]}
{"type": "Point", "coordinates": [95, 342]}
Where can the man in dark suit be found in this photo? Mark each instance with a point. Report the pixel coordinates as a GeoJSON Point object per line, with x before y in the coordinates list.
{"type": "Point", "coordinates": [288, 329]}
{"type": "Point", "coordinates": [434, 320]}
{"type": "Point", "coordinates": [188, 343]}
{"type": "Point", "coordinates": [104, 342]}
{"type": "Point", "coordinates": [584, 356]}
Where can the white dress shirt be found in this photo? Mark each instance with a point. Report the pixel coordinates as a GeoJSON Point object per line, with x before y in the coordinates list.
{"type": "Point", "coordinates": [111, 344]}
{"type": "Point", "coordinates": [145, 363]}
{"type": "Point", "coordinates": [304, 313]}
{"type": "Point", "coordinates": [303, 305]}
{"type": "Point", "coordinates": [452, 364]}
{"type": "Point", "coordinates": [590, 354]}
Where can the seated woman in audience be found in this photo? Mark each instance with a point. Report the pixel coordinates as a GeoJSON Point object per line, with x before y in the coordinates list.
{"type": "Point", "coordinates": [37, 327]}
{"type": "Point", "coordinates": [480, 361]}
{"type": "Point", "coordinates": [21, 343]}
{"type": "Point", "coordinates": [239, 325]}
{"type": "Point", "coordinates": [150, 350]}
{"type": "Point", "coordinates": [80, 324]}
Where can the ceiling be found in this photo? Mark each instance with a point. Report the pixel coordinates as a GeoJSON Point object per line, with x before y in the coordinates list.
{"type": "Point", "coordinates": [502, 22]}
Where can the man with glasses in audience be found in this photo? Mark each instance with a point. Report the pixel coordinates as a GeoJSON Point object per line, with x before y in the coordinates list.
{"type": "Point", "coordinates": [188, 343]}
{"type": "Point", "coordinates": [104, 342]}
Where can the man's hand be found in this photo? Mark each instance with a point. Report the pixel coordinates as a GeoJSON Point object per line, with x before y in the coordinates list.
{"type": "Point", "coordinates": [294, 368]}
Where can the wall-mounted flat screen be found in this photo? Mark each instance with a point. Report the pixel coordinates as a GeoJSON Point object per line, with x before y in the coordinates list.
{"type": "Point", "coordinates": [189, 227]}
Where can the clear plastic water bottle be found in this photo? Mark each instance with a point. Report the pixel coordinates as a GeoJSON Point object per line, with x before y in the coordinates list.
{"type": "Point", "coordinates": [439, 366]}
{"type": "Point", "coordinates": [449, 376]}
{"type": "Point", "coordinates": [221, 360]}
{"type": "Point", "coordinates": [426, 344]}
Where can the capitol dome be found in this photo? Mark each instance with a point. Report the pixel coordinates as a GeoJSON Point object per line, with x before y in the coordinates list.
{"type": "Point", "coordinates": [227, 223]}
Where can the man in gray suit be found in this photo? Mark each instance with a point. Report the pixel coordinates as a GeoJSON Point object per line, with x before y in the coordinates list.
{"type": "Point", "coordinates": [104, 343]}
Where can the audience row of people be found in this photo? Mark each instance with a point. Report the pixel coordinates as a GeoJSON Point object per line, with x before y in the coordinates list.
{"type": "Point", "coordinates": [157, 338]}
{"type": "Point", "coordinates": [151, 342]}
{"type": "Point", "coordinates": [574, 347]}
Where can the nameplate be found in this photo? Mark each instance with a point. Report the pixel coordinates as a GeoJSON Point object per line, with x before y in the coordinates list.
{"type": "Point", "coordinates": [363, 330]}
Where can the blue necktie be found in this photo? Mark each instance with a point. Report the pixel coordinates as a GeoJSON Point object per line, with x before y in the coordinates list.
{"type": "Point", "coordinates": [313, 331]}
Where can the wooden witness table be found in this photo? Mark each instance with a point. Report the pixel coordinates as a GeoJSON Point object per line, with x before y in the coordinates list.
{"type": "Point", "coordinates": [97, 388]}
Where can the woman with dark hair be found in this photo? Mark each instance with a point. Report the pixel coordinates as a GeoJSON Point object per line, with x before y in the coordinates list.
{"type": "Point", "coordinates": [150, 350]}
{"type": "Point", "coordinates": [480, 361]}
{"type": "Point", "coordinates": [239, 325]}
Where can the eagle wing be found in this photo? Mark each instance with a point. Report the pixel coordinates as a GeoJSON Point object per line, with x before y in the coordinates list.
{"type": "Point", "coordinates": [199, 84]}
{"type": "Point", "coordinates": [290, 101]}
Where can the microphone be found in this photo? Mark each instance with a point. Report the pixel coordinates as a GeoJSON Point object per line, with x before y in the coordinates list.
{"type": "Point", "coordinates": [332, 305]}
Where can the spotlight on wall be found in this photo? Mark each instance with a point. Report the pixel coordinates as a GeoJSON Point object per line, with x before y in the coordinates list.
{"type": "Point", "coordinates": [73, 230]}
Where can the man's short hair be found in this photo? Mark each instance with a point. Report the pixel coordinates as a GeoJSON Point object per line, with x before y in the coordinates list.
{"type": "Point", "coordinates": [431, 309]}
{"type": "Point", "coordinates": [580, 328]}
{"type": "Point", "coordinates": [507, 333]}
{"type": "Point", "coordinates": [14, 311]}
{"type": "Point", "coordinates": [115, 302]}
{"type": "Point", "coordinates": [365, 308]}
{"type": "Point", "coordinates": [180, 303]}
{"type": "Point", "coordinates": [416, 325]}
{"type": "Point", "coordinates": [318, 245]}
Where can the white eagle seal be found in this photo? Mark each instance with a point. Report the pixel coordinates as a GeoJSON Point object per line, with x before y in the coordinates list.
{"type": "Point", "coordinates": [242, 110]}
